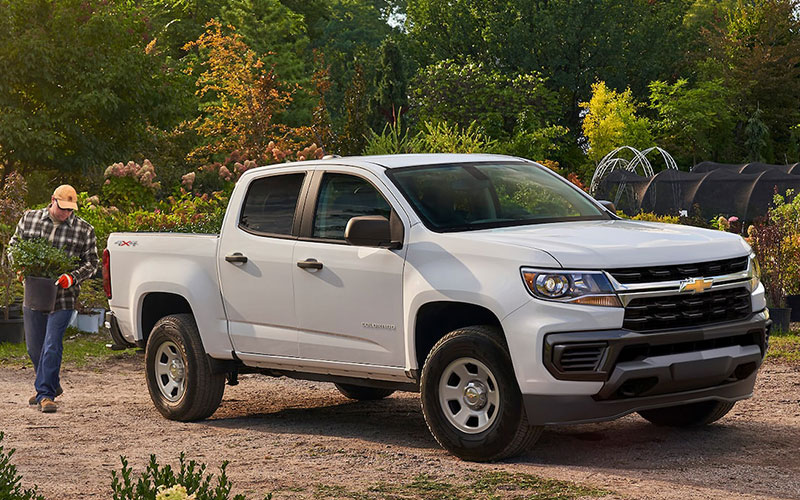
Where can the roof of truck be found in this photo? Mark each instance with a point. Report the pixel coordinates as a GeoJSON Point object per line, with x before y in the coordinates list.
{"type": "Point", "coordinates": [406, 160]}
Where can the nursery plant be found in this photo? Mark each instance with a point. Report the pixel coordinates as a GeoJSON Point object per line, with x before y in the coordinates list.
{"type": "Point", "coordinates": [38, 258]}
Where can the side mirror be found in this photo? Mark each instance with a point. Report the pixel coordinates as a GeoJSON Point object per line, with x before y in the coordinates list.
{"type": "Point", "coordinates": [373, 231]}
{"type": "Point", "coordinates": [608, 206]}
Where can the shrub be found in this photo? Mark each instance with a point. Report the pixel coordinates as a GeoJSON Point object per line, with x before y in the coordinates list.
{"type": "Point", "coordinates": [131, 185]}
{"type": "Point", "coordinates": [12, 205]}
{"type": "Point", "coordinates": [776, 241]}
{"type": "Point", "coordinates": [10, 487]}
{"type": "Point", "coordinates": [162, 482]}
{"type": "Point", "coordinates": [37, 257]}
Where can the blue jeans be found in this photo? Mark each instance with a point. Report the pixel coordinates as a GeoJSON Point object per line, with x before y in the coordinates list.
{"type": "Point", "coordinates": [44, 334]}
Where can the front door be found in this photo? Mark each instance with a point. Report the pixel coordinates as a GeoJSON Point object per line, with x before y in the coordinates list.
{"type": "Point", "coordinates": [255, 263]}
{"type": "Point", "coordinates": [351, 309]}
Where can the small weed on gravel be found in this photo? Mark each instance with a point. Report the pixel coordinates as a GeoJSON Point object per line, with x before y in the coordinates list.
{"type": "Point", "coordinates": [10, 481]}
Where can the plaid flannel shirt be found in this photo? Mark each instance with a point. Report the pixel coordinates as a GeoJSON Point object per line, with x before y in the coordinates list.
{"type": "Point", "coordinates": [75, 236]}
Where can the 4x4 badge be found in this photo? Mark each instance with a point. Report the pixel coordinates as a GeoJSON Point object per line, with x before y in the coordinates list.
{"type": "Point", "coordinates": [695, 285]}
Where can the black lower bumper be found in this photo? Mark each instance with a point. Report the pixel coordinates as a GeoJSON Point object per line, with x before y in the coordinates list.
{"type": "Point", "coordinates": [116, 335]}
{"type": "Point", "coordinates": [642, 371]}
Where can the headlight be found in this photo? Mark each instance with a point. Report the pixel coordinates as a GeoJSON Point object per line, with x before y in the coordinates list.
{"type": "Point", "coordinates": [755, 272]}
{"type": "Point", "coordinates": [577, 287]}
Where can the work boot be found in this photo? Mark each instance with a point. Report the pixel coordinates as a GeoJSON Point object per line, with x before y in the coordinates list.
{"type": "Point", "coordinates": [47, 405]}
{"type": "Point", "coordinates": [32, 401]}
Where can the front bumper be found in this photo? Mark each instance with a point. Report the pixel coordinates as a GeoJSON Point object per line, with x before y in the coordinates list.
{"type": "Point", "coordinates": [639, 371]}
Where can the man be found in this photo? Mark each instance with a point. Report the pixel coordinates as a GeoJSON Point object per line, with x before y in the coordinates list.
{"type": "Point", "coordinates": [44, 332]}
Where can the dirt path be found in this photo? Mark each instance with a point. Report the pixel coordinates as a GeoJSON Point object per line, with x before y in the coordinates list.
{"type": "Point", "coordinates": [292, 437]}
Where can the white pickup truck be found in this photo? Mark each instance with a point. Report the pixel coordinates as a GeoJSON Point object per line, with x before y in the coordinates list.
{"type": "Point", "coordinates": [506, 296]}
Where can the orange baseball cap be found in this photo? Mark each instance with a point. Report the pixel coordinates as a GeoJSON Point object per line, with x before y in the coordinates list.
{"type": "Point", "coordinates": [66, 197]}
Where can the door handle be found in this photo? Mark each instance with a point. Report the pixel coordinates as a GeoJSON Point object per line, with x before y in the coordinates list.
{"type": "Point", "coordinates": [236, 258]}
{"type": "Point", "coordinates": [309, 264]}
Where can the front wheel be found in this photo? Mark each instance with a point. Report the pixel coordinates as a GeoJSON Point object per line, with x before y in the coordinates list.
{"type": "Point", "coordinates": [180, 380]}
{"type": "Point", "coordinates": [470, 398]}
{"type": "Point", "coordinates": [689, 415]}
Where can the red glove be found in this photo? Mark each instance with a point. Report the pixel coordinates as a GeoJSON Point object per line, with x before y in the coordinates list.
{"type": "Point", "coordinates": [65, 281]}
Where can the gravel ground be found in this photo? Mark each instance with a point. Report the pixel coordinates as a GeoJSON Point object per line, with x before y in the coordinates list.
{"type": "Point", "coordinates": [298, 439]}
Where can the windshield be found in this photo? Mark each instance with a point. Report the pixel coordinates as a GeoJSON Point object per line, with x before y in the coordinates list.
{"type": "Point", "coordinates": [464, 196]}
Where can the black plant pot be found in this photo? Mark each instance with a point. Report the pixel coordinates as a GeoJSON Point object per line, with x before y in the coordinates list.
{"type": "Point", "coordinates": [793, 303]}
{"type": "Point", "coordinates": [12, 330]}
{"type": "Point", "coordinates": [780, 318]}
{"type": "Point", "coordinates": [40, 293]}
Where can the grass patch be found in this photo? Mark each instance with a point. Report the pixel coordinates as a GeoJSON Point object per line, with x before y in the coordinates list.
{"type": "Point", "coordinates": [785, 347]}
{"type": "Point", "coordinates": [487, 485]}
{"type": "Point", "coordinates": [80, 349]}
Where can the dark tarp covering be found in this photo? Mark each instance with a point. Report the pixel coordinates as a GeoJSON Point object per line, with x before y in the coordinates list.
{"type": "Point", "coordinates": [747, 168]}
{"type": "Point", "coordinates": [745, 191]}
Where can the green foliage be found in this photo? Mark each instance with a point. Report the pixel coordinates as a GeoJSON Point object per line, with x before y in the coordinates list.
{"type": "Point", "coordinates": [696, 123]}
{"type": "Point", "coordinates": [92, 296]}
{"type": "Point", "coordinates": [443, 137]}
{"type": "Point", "coordinates": [156, 478]}
{"type": "Point", "coordinates": [611, 122]}
{"type": "Point", "coordinates": [37, 257]}
{"type": "Point", "coordinates": [553, 142]}
{"type": "Point", "coordinates": [80, 349]}
{"type": "Point", "coordinates": [473, 92]}
{"type": "Point", "coordinates": [394, 139]}
{"type": "Point", "coordinates": [391, 85]}
{"type": "Point", "coordinates": [78, 86]}
{"type": "Point", "coordinates": [356, 123]}
{"type": "Point", "coordinates": [755, 49]}
{"type": "Point", "coordinates": [10, 487]}
{"type": "Point", "coordinates": [776, 241]}
{"type": "Point", "coordinates": [438, 137]}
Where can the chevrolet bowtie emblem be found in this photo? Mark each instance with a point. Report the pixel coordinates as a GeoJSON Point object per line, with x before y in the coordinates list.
{"type": "Point", "coordinates": [696, 285]}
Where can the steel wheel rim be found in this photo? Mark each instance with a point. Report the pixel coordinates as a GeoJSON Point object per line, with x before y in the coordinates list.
{"type": "Point", "coordinates": [469, 395]}
{"type": "Point", "coordinates": [170, 372]}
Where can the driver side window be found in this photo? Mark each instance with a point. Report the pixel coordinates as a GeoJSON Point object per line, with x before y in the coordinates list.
{"type": "Point", "coordinates": [342, 197]}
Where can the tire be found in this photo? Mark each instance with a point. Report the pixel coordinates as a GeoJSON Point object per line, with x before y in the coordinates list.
{"type": "Point", "coordinates": [470, 370]}
{"type": "Point", "coordinates": [689, 415]}
{"type": "Point", "coordinates": [180, 380]}
{"type": "Point", "coordinates": [362, 393]}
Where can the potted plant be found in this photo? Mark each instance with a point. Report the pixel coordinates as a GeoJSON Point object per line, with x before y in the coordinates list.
{"type": "Point", "coordinates": [92, 305]}
{"type": "Point", "coordinates": [776, 241]}
{"type": "Point", "coordinates": [12, 204]}
{"type": "Point", "coordinates": [41, 264]}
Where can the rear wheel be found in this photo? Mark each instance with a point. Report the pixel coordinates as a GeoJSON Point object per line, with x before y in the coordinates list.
{"type": "Point", "coordinates": [689, 415]}
{"type": "Point", "coordinates": [180, 380]}
{"type": "Point", "coordinates": [362, 393]}
{"type": "Point", "coordinates": [470, 398]}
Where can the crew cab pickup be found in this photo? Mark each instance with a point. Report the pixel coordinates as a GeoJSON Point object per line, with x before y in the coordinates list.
{"type": "Point", "coordinates": [509, 298]}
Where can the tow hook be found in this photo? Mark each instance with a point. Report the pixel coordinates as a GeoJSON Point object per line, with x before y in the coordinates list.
{"type": "Point", "coordinates": [233, 377]}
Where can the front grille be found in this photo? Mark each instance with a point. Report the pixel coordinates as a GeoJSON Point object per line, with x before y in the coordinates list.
{"type": "Point", "coordinates": [679, 272]}
{"type": "Point", "coordinates": [578, 357]}
{"type": "Point", "coordinates": [677, 311]}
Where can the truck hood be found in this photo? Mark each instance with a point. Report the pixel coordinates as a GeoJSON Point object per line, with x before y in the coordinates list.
{"type": "Point", "coordinates": [617, 243]}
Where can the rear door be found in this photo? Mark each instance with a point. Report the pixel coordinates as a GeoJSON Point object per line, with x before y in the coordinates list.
{"type": "Point", "coordinates": [256, 266]}
{"type": "Point", "coordinates": [351, 309]}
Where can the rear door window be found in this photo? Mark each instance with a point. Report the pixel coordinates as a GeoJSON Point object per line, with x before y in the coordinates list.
{"type": "Point", "coordinates": [270, 204]}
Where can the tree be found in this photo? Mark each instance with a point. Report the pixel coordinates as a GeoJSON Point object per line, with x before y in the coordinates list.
{"type": "Point", "coordinates": [239, 98]}
{"type": "Point", "coordinates": [694, 124]}
{"type": "Point", "coordinates": [756, 51]}
{"type": "Point", "coordinates": [78, 86]}
{"type": "Point", "coordinates": [391, 85]}
{"type": "Point", "coordinates": [611, 122]}
{"type": "Point", "coordinates": [499, 103]}
{"type": "Point", "coordinates": [356, 125]}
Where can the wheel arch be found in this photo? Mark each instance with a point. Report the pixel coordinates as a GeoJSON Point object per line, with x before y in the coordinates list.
{"type": "Point", "coordinates": [156, 305]}
{"type": "Point", "coordinates": [436, 319]}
